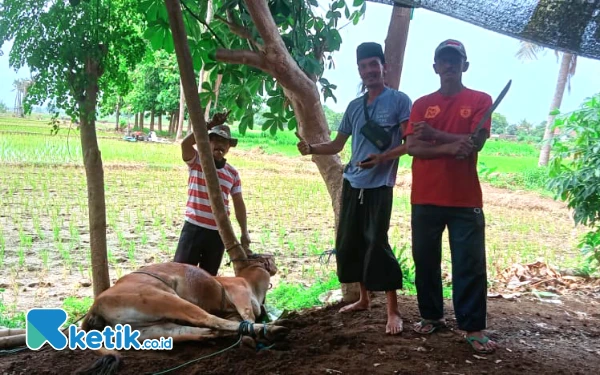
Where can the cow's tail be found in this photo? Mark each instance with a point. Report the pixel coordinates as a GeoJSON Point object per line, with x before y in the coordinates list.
{"type": "Point", "coordinates": [110, 360]}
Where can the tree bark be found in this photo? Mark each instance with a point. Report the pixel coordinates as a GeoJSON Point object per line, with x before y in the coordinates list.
{"type": "Point", "coordinates": [117, 125]}
{"type": "Point", "coordinates": [217, 89]}
{"type": "Point", "coordinates": [395, 45]}
{"type": "Point", "coordinates": [301, 90]}
{"type": "Point", "coordinates": [137, 121]}
{"type": "Point", "coordinates": [203, 76]}
{"type": "Point", "coordinates": [190, 88]}
{"type": "Point", "coordinates": [92, 160]}
{"type": "Point", "coordinates": [561, 84]}
{"type": "Point", "coordinates": [181, 111]}
{"type": "Point", "coordinates": [142, 120]}
{"type": "Point", "coordinates": [160, 121]}
{"type": "Point", "coordinates": [152, 119]}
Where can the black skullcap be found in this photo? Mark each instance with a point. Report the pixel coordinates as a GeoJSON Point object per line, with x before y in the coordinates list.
{"type": "Point", "coordinates": [369, 49]}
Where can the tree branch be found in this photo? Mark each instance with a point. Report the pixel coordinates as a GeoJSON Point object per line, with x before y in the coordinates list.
{"type": "Point", "coordinates": [239, 30]}
{"type": "Point", "coordinates": [203, 22]}
{"type": "Point", "coordinates": [242, 57]}
{"type": "Point", "coordinates": [261, 15]}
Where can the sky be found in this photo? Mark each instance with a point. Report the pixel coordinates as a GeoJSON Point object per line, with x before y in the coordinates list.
{"type": "Point", "coordinates": [492, 63]}
{"type": "Point", "coordinates": [491, 55]}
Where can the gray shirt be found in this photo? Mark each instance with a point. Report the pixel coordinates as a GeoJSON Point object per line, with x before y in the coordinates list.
{"type": "Point", "coordinates": [389, 110]}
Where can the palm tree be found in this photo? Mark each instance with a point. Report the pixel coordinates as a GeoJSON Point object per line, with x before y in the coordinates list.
{"type": "Point", "coordinates": [568, 64]}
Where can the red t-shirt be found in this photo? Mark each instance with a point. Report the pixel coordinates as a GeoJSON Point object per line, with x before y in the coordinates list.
{"type": "Point", "coordinates": [447, 181]}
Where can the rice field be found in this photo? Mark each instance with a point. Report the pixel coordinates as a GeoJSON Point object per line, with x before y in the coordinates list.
{"type": "Point", "coordinates": [44, 237]}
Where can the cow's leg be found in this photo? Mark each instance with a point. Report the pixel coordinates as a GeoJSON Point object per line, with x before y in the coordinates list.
{"type": "Point", "coordinates": [167, 306]}
{"type": "Point", "coordinates": [241, 298]}
{"type": "Point", "coordinates": [179, 332]}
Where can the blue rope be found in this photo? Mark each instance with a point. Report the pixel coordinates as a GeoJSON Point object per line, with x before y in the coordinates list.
{"type": "Point", "coordinates": [198, 359]}
{"type": "Point", "coordinates": [12, 351]}
{"type": "Point", "coordinates": [246, 328]}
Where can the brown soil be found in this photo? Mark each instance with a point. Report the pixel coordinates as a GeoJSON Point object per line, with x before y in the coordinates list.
{"type": "Point", "coordinates": [535, 338]}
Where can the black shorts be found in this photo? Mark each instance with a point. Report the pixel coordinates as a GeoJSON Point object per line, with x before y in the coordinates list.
{"type": "Point", "coordinates": [201, 247]}
{"type": "Point", "coordinates": [363, 252]}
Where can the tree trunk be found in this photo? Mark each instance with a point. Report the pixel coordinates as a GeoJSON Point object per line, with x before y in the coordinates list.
{"type": "Point", "coordinates": [137, 119]}
{"type": "Point", "coordinates": [94, 173]}
{"type": "Point", "coordinates": [301, 90]}
{"type": "Point", "coordinates": [117, 125]}
{"type": "Point", "coordinates": [160, 121]}
{"type": "Point", "coordinates": [561, 83]}
{"type": "Point", "coordinates": [174, 119]}
{"type": "Point", "coordinates": [217, 88]}
{"type": "Point", "coordinates": [142, 120]}
{"type": "Point", "coordinates": [190, 88]}
{"type": "Point", "coordinates": [395, 45]}
{"type": "Point", "coordinates": [152, 119]}
{"type": "Point", "coordinates": [203, 76]}
{"type": "Point", "coordinates": [181, 111]}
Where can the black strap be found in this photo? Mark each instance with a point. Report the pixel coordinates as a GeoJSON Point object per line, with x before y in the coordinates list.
{"type": "Point", "coordinates": [365, 99]}
{"type": "Point", "coordinates": [155, 276]}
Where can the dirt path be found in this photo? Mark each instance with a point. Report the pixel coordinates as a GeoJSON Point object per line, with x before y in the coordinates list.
{"type": "Point", "coordinates": [535, 338]}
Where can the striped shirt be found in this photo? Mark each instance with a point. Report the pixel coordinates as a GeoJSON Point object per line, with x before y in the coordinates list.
{"type": "Point", "coordinates": [198, 210]}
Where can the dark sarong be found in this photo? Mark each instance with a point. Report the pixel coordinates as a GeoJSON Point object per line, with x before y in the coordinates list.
{"type": "Point", "coordinates": [363, 252]}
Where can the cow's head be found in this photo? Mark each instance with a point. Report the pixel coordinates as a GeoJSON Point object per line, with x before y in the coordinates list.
{"type": "Point", "coordinates": [267, 261]}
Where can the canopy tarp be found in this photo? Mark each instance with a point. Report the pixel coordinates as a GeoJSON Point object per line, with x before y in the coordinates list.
{"type": "Point", "coordinates": [566, 25]}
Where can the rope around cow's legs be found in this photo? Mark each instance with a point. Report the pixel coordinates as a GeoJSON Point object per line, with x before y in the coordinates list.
{"type": "Point", "coordinates": [246, 328]}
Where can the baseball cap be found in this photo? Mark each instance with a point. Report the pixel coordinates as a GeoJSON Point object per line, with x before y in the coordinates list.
{"type": "Point", "coordinates": [223, 131]}
{"type": "Point", "coordinates": [451, 43]}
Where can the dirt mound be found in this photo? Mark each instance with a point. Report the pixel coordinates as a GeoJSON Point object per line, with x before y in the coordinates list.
{"type": "Point", "coordinates": [535, 338]}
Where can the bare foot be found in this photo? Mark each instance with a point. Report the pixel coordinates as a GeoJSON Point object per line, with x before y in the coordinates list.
{"type": "Point", "coordinates": [481, 343]}
{"type": "Point", "coordinates": [356, 306]}
{"type": "Point", "coordinates": [394, 324]}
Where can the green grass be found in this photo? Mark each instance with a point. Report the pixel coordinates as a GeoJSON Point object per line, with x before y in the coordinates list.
{"type": "Point", "coordinates": [44, 226]}
{"type": "Point", "coordinates": [295, 296]}
{"type": "Point", "coordinates": [509, 164]}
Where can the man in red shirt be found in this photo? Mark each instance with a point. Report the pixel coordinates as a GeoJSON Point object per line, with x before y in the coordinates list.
{"type": "Point", "coordinates": [446, 192]}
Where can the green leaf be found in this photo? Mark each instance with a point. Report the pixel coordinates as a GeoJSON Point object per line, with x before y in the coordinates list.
{"type": "Point", "coordinates": [357, 3]}
{"type": "Point", "coordinates": [292, 124]}
{"type": "Point", "coordinates": [555, 112]}
{"type": "Point", "coordinates": [267, 124]}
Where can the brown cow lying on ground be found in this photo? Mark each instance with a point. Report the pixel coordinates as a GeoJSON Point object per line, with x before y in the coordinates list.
{"type": "Point", "coordinates": [184, 302]}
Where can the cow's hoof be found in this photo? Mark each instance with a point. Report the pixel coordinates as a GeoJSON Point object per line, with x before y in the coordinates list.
{"type": "Point", "coordinates": [276, 333]}
{"type": "Point", "coordinates": [248, 343]}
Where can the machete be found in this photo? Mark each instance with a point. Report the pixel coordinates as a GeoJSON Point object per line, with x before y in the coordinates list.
{"type": "Point", "coordinates": [489, 112]}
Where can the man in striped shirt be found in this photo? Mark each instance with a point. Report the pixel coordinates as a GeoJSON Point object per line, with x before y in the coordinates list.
{"type": "Point", "coordinates": [200, 243]}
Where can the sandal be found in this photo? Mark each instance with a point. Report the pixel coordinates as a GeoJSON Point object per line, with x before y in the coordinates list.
{"type": "Point", "coordinates": [435, 325]}
{"type": "Point", "coordinates": [484, 340]}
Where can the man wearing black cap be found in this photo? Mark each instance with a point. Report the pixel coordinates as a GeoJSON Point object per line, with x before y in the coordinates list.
{"type": "Point", "coordinates": [375, 121]}
{"type": "Point", "coordinates": [446, 192]}
{"type": "Point", "coordinates": [200, 243]}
